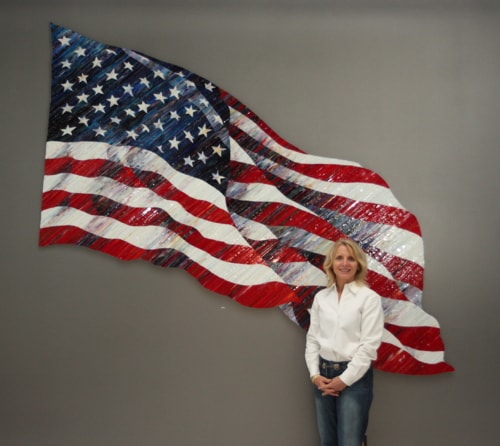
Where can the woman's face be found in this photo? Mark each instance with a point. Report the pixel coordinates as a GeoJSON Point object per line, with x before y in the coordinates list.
{"type": "Point", "coordinates": [345, 265]}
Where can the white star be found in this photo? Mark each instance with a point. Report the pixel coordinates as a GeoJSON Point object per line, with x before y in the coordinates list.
{"type": "Point", "coordinates": [96, 63]}
{"type": "Point", "coordinates": [80, 51]}
{"type": "Point", "coordinates": [174, 144]}
{"type": "Point", "coordinates": [99, 132]}
{"type": "Point", "coordinates": [83, 78]}
{"type": "Point", "coordinates": [67, 108]}
{"type": "Point", "coordinates": [130, 112]}
{"type": "Point", "coordinates": [66, 64]}
{"type": "Point", "coordinates": [158, 124]}
{"type": "Point", "coordinates": [218, 119]}
{"type": "Point", "coordinates": [209, 86]}
{"type": "Point", "coordinates": [115, 120]}
{"type": "Point", "coordinates": [97, 89]}
{"type": "Point", "coordinates": [68, 130]}
{"type": "Point", "coordinates": [67, 86]}
{"type": "Point", "coordinates": [188, 136]}
{"type": "Point", "coordinates": [83, 120]}
{"type": "Point", "coordinates": [160, 74]}
{"type": "Point", "coordinates": [110, 51]}
{"type": "Point", "coordinates": [98, 108]}
{"type": "Point", "coordinates": [64, 41]}
{"type": "Point", "coordinates": [144, 81]}
{"type": "Point", "coordinates": [112, 101]}
{"type": "Point", "coordinates": [160, 97]}
{"type": "Point", "coordinates": [143, 107]}
{"type": "Point", "coordinates": [189, 111]}
{"type": "Point", "coordinates": [189, 161]}
{"type": "Point", "coordinates": [202, 157]}
{"type": "Point", "coordinates": [83, 97]}
{"type": "Point", "coordinates": [128, 66]}
{"type": "Point", "coordinates": [145, 128]}
{"type": "Point", "coordinates": [175, 115]}
{"type": "Point", "coordinates": [128, 89]}
{"type": "Point", "coordinates": [204, 102]}
{"type": "Point", "coordinates": [203, 131]}
{"type": "Point", "coordinates": [218, 150]}
{"type": "Point", "coordinates": [131, 134]}
{"type": "Point", "coordinates": [191, 83]}
{"type": "Point", "coordinates": [160, 148]}
{"type": "Point", "coordinates": [217, 177]}
{"type": "Point", "coordinates": [112, 75]}
{"type": "Point", "coordinates": [175, 92]}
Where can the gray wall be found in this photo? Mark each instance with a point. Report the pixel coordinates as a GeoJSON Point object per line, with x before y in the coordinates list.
{"type": "Point", "coordinates": [95, 351]}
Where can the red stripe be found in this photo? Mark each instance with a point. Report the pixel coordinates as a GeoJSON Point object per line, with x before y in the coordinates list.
{"type": "Point", "coordinates": [97, 205]}
{"type": "Point", "coordinates": [270, 294]}
{"type": "Point", "coordinates": [333, 173]}
{"type": "Point", "coordinates": [401, 269]}
{"type": "Point", "coordinates": [273, 214]}
{"type": "Point", "coordinates": [393, 359]}
{"type": "Point", "coordinates": [374, 213]}
{"type": "Point", "coordinates": [275, 251]}
{"type": "Point", "coordinates": [364, 211]}
{"type": "Point", "coordinates": [135, 178]}
{"type": "Point", "coordinates": [277, 214]}
{"type": "Point", "coordinates": [384, 287]}
{"type": "Point", "coordinates": [231, 101]}
{"type": "Point", "coordinates": [420, 338]}
{"type": "Point", "coordinates": [248, 174]}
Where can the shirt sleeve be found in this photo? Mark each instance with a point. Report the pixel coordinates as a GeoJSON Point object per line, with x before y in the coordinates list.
{"type": "Point", "coordinates": [312, 344]}
{"type": "Point", "coordinates": [372, 327]}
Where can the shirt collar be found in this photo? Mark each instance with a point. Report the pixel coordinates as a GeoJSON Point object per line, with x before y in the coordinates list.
{"type": "Point", "coordinates": [351, 287]}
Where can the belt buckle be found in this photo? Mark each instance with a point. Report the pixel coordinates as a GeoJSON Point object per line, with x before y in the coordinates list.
{"type": "Point", "coordinates": [336, 366]}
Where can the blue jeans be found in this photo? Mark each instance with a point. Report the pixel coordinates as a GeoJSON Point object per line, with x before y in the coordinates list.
{"type": "Point", "coordinates": [343, 420]}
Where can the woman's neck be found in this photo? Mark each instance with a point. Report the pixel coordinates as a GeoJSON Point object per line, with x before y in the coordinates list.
{"type": "Point", "coordinates": [340, 288]}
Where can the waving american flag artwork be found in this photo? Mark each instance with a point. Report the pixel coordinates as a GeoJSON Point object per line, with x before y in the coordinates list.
{"type": "Point", "coordinates": [147, 160]}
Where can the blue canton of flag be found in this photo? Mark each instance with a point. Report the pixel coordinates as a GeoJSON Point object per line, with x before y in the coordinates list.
{"type": "Point", "coordinates": [117, 96]}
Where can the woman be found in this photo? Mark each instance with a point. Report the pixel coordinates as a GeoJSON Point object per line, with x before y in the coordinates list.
{"type": "Point", "coordinates": [346, 328]}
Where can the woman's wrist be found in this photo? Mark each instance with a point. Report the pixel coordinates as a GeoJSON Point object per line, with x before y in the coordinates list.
{"type": "Point", "coordinates": [313, 378]}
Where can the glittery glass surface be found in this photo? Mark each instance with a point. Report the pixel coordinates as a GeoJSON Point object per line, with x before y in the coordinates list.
{"type": "Point", "coordinates": [147, 160]}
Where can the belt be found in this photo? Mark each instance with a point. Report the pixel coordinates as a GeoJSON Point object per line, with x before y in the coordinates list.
{"type": "Point", "coordinates": [325, 364]}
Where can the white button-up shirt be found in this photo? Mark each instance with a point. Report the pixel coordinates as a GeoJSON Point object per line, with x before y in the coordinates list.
{"type": "Point", "coordinates": [345, 329]}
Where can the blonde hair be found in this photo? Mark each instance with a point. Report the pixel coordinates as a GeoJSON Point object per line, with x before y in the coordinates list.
{"type": "Point", "coordinates": [358, 254]}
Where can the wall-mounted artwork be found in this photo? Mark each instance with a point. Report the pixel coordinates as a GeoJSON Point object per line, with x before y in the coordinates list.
{"type": "Point", "coordinates": [147, 160]}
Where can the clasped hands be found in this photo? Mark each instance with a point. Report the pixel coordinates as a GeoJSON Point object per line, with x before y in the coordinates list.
{"type": "Point", "coordinates": [328, 386]}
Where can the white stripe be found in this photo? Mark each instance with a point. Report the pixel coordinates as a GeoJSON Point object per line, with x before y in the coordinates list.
{"type": "Point", "coordinates": [154, 237]}
{"type": "Point", "coordinates": [255, 191]}
{"type": "Point", "coordinates": [425, 356]}
{"type": "Point", "coordinates": [252, 230]}
{"type": "Point", "coordinates": [257, 133]}
{"type": "Point", "coordinates": [293, 273]}
{"type": "Point", "coordinates": [300, 274]}
{"type": "Point", "coordinates": [348, 190]}
{"type": "Point", "coordinates": [260, 192]}
{"type": "Point", "coordinates": [391, 239]}
{"type": "Point", "coordinates": [142, 198]}
{"type": "Point", "coordinates": [365, 192]}
{"type": "Point", "coordinates": [406, 314]}
{"type": "Point", "coordinates": [371, 193]}
{"type": "Point", "coordinates": [398, 242]}
{"type": "Point", "coordinates": [137, 158]}
{"type": "Point", "coordinates": [303, 240]}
